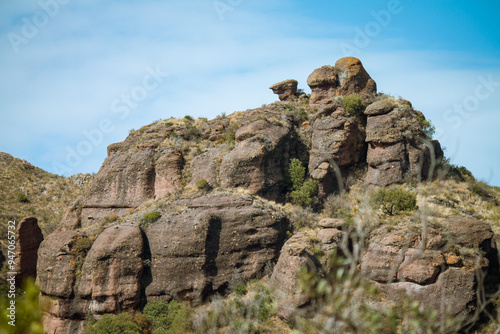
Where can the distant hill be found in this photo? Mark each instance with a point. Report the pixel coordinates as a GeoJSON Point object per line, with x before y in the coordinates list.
{"type": "Point", "coordinates": [27, 190]}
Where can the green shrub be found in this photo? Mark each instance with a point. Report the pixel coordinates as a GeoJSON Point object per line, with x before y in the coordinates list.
{"type": "Point", "coordinates": [305, 194]}
{"type": "Point", "coordinates": [151, 217]}
{"type": "Point", "coordinates": [353, 105]}
{"type": "Point", "coordinates": [169, 317]}
{"type": "Point", "coordinates": [193, 132]}
{"type": "Point", "coordinates": [22, 198]}
{"type": "Point", "coordinates": [240, 289]}
{"type": "Point", "coordinates": [426, 126]}
{"type": "Point", "coordinates": [202, 184]}
{"type": "Point", "coordinates": [123, 323]}
{"type": "Point", "coordinates": [394, 200]}
{"type": "Point", "coordinates": [344, 301]}
{"type": "Point", "coordinates": [81, 246]}
{"type": "Point", "coordinates": [303, 191]}
{"type": "Point", "coordinates": [296, 173]}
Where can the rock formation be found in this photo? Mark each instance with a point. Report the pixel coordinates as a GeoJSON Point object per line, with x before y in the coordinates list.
{"type": "Point", "coordinates": [285, 89]}
{"type": "Point", "coordinates": [28, 239]}
{"type": "Point", "coordinates": [347, 77]}
{"type": "Point", "coordinates": [400, 267]}
{"type": "Point", "coordinates": [203, 179]}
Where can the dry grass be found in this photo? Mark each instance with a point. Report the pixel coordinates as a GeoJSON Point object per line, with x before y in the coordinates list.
{"type": "Point", "coordinates": [47, 195]}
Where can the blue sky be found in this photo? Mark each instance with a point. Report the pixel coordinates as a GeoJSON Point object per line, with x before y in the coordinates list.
{"type": "Point", "coordinates": [77, 76]}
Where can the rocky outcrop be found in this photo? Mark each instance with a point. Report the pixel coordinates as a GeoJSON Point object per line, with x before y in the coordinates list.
{"type": "Point", "coordinates": [28, 239]}
{"type": "Point", "coordinates": [60, 257]}
{"type": "Point", "coordinates": [285, 89]}
{"type": "Point", "coordinates": [347, 77]}
{"type": "Point", "coordinates": [196, 253]}
{"type": "Point", "coordinates": [296, 254]}
{"type": "Point", "coordinates": [397, 148]}
{"type": "Point", "coordinates": [193, 251]}
{"type": "Point", "coordinates": [204, 178]}
{"type": "Point", "coordinates": [401, 267]}
{"type": "Point", "coordinates": [125, 180]}
{"type": "Point", "coordinates": [353, 77]}
{"type": "Point", "coordinates": [337, 144]}
{"type": "Point", "coordinates": [112, 271]}
{"type": "Point", "coordinates": [205, 167]}
{"type": "Point", "coordinates": [168, 169]}
{"type": "Point", "coordinates": [259, 161]}
{"type": "Point", "coordinates": [425, 270]}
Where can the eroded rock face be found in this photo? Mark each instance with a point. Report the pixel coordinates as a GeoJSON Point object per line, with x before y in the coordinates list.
{"type": "Point", "coordinates": [347, 77]}
{"type": "Point", "coordinates": [28, 239]}
{"type": "Point", "coordinates": [295, 255]}
{"type": "Point", "coordinates": [396, 148]}
{"type": "Point", "coordinates": [259, 160]}
{"type": "Point", "coordinates": [112, 271]}
{"type": "Point", "coordinates": [205, 167]}
{"type": "Point", "coordinates": [337, 140]}
{"type": "Point", "coordinates": [285, 89]}
{"type": "Point", "coordinates": [124, 180]}
{"type": "Point", "coordinates": [399, 266]}
{"type": "Point", "coordinates": [195, 253]}
{"type": "Point", "coordinates": [168, 169]}
{"type": "Point", "coordinates": [57, 267]}
{"type": "Point", "coordinates": [436, 278]}
{"type": "Point", "coordinates": [323, 82]}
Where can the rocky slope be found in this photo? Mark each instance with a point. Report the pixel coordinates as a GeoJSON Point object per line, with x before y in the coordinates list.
{"type": "Point", "coordinates": [182, 208]}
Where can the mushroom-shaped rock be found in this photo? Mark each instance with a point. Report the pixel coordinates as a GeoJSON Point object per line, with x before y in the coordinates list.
{"type": "Point", "coordinates": [285, 89]}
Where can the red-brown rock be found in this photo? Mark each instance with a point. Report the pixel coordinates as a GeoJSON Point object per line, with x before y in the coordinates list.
{"type": "Point", "coordinates": [28, 239]}
{"type": "Point", "coordinates": [285, 89]}
{"type": "Point", "coordinates": [112, 271]}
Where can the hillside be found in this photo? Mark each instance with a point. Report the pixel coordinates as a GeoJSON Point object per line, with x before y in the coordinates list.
{"type": "Point", "coordinates": [27, 190]}
{"type": "Point", "coordinates": [329, 212]}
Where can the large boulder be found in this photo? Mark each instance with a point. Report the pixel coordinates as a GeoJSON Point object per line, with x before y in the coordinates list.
{"type": "Point", "coordinates": [323, 83]}
{"type": "Point", "coordinates": [112, 271]}
{"type": "Point", "coordinates": [60, 257]}
{"type": "Point", "coordinates": [285, 89]}
{"type": "Point", "coordinates": [215, 239]}
{"type": "Point", "coordinates": [259, 161]}
{"type": "Point", "coordinates": [337, 143]}
{"type": "Point", "coordinates": [28, 239]}
{"type": "Point", "coordinates": [353, 77]}
{"type": "Point", "coordinates": [397, 146]}
{"type": "Point", "coordinates": [428, 272]}
{"type": "Point", "coordinates": [347, 77]}
{"type": "Point", "coordinates": [125, 180]}
{"type": "Point", "coordinates": [297, 254]}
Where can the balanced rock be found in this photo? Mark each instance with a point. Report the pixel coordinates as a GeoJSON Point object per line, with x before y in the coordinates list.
{"type": "Point", "coordinates": [347, 77]}
{"type": "Point", "coordinates": [285, 89]}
